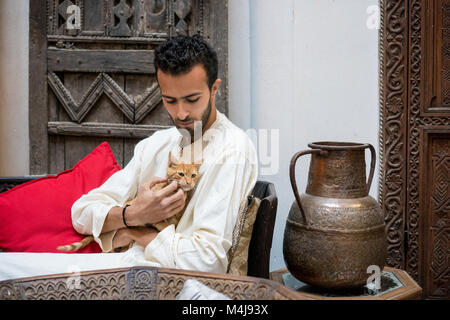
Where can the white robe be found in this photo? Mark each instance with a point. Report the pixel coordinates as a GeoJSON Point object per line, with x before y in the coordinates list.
{"type": "Point", "coordinates": [203, 235]}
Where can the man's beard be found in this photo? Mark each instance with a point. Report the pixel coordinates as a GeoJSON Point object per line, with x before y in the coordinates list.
{"type": "Point", "coordinates": [192, 134]}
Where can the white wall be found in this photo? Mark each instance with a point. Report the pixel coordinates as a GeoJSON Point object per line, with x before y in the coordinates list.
{"type": "Point", "coordinates": [14, 141]}
{"type": "Point", "coordinates": [308, 69]}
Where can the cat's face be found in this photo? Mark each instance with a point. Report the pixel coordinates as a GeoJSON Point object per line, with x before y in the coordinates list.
{"type": "Point", "coordinates": [187, 174]}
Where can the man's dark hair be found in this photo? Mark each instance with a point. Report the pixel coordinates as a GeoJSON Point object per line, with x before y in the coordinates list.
{"type": "Point", "coordinates": [180, 54]}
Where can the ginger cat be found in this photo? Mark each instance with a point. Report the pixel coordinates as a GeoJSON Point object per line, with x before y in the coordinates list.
{"type": "Point", "coordinates": [186, 175]}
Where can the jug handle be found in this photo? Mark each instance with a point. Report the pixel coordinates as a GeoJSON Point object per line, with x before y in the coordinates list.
{"type": "Point", "coordinates": [372, 165]}
{"type": "Point", "coordinates": [292, 176]}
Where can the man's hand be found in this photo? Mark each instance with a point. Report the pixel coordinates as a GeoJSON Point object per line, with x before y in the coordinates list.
{"type": "Point", "coordinates": [152, 207]}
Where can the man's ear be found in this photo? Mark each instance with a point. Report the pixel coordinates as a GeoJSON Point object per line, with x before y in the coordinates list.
{"type": "Point", "coordinates": [215, 87]}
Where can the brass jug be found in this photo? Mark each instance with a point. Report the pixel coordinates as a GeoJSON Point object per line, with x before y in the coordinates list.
{"type": "Point", "coordinates": [335, 231]}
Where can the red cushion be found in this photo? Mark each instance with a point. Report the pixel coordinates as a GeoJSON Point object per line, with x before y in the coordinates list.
{"type": "Point", "coordinates": [36, 216]}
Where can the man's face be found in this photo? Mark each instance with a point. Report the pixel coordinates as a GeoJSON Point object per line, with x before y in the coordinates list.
{"type": "Point", "coordinates": [187, 99]}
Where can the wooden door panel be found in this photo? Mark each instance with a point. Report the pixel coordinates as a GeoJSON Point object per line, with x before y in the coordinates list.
{"type": "Point", "coordinates": [436, 209]}
{"type": "Point", "coordinates": [94, 17]}
{"type": "Point", "coordinates": [436, 66]}
{"type": "Point", "coordinates": [74, 146]}
{"type": "Point", "coordinates": [414, 139]}
{"type": "Point", "coordinates": [86, 60]}
{"type": "Point", "coordinates": [96, 82]}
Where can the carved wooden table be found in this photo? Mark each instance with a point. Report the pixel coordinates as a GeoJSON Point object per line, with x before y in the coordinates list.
{"type": "Point", "coordinates": [139, 283]}
{"type": "Point", "coordinates": [396, 284]}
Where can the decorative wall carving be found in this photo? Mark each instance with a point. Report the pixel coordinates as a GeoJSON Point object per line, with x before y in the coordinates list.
{"type": "Point", "coordinates": [137, 19]}
{"type": "Point", "coordinates": [444, 35]}
{"type": "Point", "coordinates": [155, 17]}
{"type": "Point", "coordinates": [413, 111]}
{"type": "Point", "coordinates": [182, 8]}
{"type": "Point", "coordinates": [104, 84]}
{"type": "Point", "coordinates": [393, 124]}
{"type": "Point", "coordinates": [122, 13]}
{"type": "Point", "coordinates": [95, 80]}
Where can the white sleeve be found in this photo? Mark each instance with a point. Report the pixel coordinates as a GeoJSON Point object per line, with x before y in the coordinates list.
{"type": "Point", "coordinates": [89, 211]}
{"type": "Point", "coordinates": [204, 245]}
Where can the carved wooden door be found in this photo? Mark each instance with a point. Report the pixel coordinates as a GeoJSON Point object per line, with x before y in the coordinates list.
{"type": "Point", "coordinates": [92, 77]}
{"type": "Point", "coordinates": [415, 139]}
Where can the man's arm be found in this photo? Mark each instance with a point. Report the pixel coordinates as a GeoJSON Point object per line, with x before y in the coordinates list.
{"type": "Point", "coordinates": [149, 207]}
{"type": "Point", "coordinates": [141, 235]}
{"type": "Point", "coordinates": [100, 211]}
{"type": "Point", "coordinates": [90, 211]}
{"type": "Point", "coordinates": [114, 220]}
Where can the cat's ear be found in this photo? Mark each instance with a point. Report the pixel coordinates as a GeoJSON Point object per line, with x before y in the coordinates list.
{"type": "Point", "coordinates": [198, 164]}
{"type": "Point", "coordinates": [172, 159]}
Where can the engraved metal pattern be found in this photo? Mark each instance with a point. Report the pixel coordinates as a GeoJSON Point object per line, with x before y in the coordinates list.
{"type": "Point", "coordinates": [342, 177]}
{"type": "Point", "coordinates": [351, 219]}
{"type": "Point", "coordinates": [331, 237]}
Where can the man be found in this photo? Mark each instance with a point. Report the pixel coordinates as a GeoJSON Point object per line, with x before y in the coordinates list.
{"type": "Point", "coordinates": [186, 70]}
